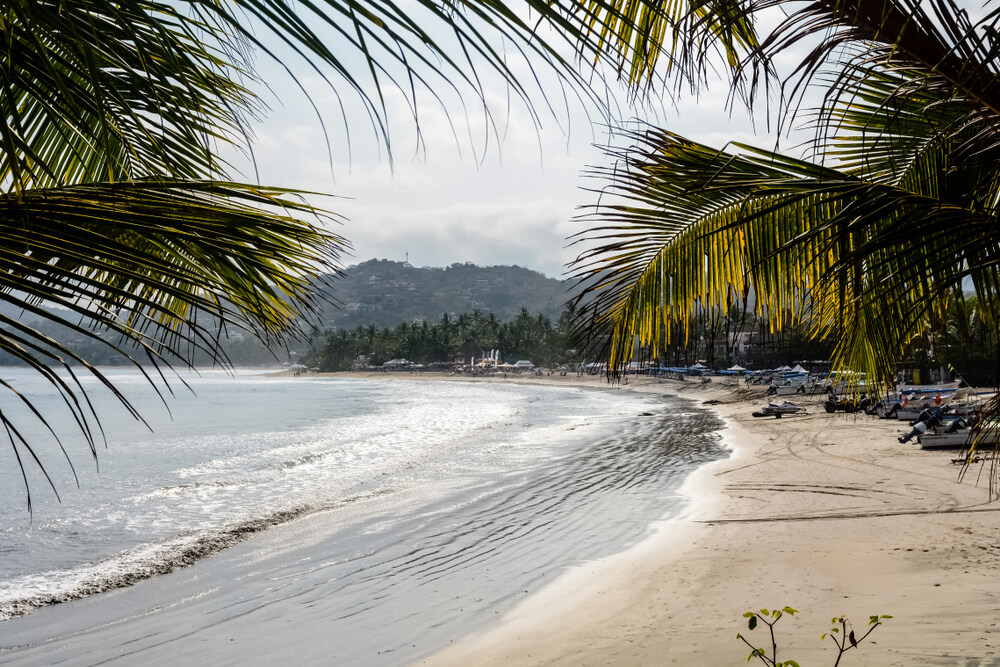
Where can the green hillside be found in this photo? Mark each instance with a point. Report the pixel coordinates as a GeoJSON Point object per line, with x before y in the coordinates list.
{"type": "Point", "coordinates": [385, 293]}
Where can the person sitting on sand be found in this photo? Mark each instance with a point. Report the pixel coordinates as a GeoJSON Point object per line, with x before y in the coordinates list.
{"type": "Point", "coordinates": [918, 429]}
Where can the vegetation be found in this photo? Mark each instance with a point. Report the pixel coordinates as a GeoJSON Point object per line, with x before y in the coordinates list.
{"type": "Point", "coordinates": [867, 241]}
{"type": "Point", "coordinates": [531, 337]}
{"type": "Point", "coordinates": [385, 293]}
{"type": "Point", "coordinates": [842, 634]}
{"type": "Point", "coordinates": [119, 209]}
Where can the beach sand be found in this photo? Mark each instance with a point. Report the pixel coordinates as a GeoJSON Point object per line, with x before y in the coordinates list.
{"type": "Point", "coordinates": [825, 513]}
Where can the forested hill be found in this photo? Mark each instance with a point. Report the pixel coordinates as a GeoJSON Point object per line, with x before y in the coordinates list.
{"type": "Point", "coordinates": [385, 293]}
{"type": "Point", "coordinates": [376, 292]}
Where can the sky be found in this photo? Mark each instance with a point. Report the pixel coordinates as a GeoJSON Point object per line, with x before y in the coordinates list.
{"type": "Point", "coordinates": [464, 193]}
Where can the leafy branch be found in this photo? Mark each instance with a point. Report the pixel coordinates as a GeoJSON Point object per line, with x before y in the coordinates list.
{"type": "Point", "coordinates": [768, 618]}
{"type": "Point", "coordinates": [844, 638]}
{"type": "Point", "coordinates": [842, 635]}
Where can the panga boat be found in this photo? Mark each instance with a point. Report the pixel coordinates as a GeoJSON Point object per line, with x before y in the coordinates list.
{"type": "Point", "coordinates": [778, 410]}
{"type": "Point", "coordinates": [960, 438]}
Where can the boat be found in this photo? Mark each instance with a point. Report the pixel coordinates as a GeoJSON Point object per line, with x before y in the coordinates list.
{"type": "Point", "coordinates": [786, 390]}
{"type": "Point", "coordinates": [957, 439]}
{"type": "Point", "coordinates": [913, 410]}
{"type": "Point", "coordinates": [778, 410]}
{"type": "Point", "coordinates": [928, 388]}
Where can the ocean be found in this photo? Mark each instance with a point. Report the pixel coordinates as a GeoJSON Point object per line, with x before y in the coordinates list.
{"type": "Point", "coordinates": [372, 521]}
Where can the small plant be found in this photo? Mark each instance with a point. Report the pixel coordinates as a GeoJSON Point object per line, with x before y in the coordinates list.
{"type": "Point", "coordinates": [842, 634]}
{"type": "Point", "coordinates": [768, 618]}
{"type": "Point", "coordinates": [844, 638]}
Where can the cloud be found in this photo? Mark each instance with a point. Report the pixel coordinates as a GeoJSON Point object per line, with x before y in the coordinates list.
{"type": "Point", "coordinates": [496, 188]}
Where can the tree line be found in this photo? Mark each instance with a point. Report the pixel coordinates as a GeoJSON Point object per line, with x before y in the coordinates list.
{"type": "Point", "coordinates": [528, 336]}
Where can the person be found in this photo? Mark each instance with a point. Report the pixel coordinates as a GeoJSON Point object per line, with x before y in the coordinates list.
{"type": "Point", "coordinates": [918, 429]}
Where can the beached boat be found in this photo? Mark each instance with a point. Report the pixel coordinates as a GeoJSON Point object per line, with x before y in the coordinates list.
{"type": "Point", "coordinates": [778, 410]}
{"type": "Point", "coordinates": [944, 440]}
{"type": "Point", "coordinates": [787, 390]}
{"type": "Point", "coordinates": [928, 388]}
{"type": "Point", "coordinates": [912, 410]}
{"type": "Point", "coordinates": [957, 439]}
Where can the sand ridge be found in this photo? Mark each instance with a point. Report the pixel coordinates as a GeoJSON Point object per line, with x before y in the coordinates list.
{"type": "Point", "coordinates": [826, 513]}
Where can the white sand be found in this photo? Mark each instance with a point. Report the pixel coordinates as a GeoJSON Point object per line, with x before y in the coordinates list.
{"type": "Point", "coordinates": [825, 513]}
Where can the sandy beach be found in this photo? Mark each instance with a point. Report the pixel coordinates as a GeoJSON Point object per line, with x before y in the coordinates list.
{"type": "Point", "coordinates": [825, 513]}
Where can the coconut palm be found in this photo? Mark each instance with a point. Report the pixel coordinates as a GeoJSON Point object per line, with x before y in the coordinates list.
{"type": "Point", "coordinates": [894, 207]}
{"type": "Point", "coordinates": [123, 225]}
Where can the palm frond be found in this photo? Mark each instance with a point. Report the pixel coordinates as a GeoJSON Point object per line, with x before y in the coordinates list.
{"type": "Point", "coordinates": [159, 265]}
{"type": "Point", "coordinates": [692, 228]}
{"type": "Point", "coordinates": [938, 39]}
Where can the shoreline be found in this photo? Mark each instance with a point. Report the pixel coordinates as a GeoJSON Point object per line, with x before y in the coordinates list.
{"type": "Point", "coordinates": [429, 563]}
{"type": "Point", "coordinates": [825, 513]}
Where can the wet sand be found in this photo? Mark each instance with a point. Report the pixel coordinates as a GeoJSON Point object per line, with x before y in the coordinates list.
{"type": "Point", "coordinates": [824, 513]}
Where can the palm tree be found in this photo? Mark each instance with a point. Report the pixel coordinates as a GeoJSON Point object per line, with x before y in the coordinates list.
{"type": "Point", "coordinates": [894, 209]}
{"type": "Point", "coordinates": [120, 212]}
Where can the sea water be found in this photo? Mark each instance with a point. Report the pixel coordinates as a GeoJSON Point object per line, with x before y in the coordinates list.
{"type": "Point", "coordinates": [399, 513]}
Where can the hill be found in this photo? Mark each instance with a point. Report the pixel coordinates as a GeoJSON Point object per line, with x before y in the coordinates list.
{"type": "Point", "coordinates": [384, 293]}
{"type": "Point", "coordinates": [377, 292]}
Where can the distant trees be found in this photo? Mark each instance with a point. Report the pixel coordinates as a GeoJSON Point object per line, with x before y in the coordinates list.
{"type": "Point", "coordinates": [527, 336]}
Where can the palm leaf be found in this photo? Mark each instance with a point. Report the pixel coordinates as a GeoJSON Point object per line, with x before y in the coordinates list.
{"type": "Point", "coordinates": [162, 265]}
{"type": "Point", "coordinates": [691, 228]}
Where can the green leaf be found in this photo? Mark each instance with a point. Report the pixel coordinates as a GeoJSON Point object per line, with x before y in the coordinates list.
{"type": "Point", "coordinates": [752, 623]}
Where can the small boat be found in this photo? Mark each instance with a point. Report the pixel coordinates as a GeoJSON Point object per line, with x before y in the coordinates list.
{"type": "Point", "coordinates": [777, 410]}
{"type": "Point", "coordinates": [957, 439]}
{"type": "Point", "coordinates": [787, 390]}
{"type": "Point", "coordinates": [928, 388]}
{"type": "Point", "coordinates": [912, 410]}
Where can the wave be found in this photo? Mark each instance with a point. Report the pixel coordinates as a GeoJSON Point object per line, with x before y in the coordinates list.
{"type": "Point", "coordinates": [29, 592]}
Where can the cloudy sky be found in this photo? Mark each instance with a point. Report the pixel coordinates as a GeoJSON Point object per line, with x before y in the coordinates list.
{"type": "Point", "coordinates": [496, 190]}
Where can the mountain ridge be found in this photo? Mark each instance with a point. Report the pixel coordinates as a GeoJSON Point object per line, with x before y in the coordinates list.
{"type": "Point", "coordinates": [384, 293]}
